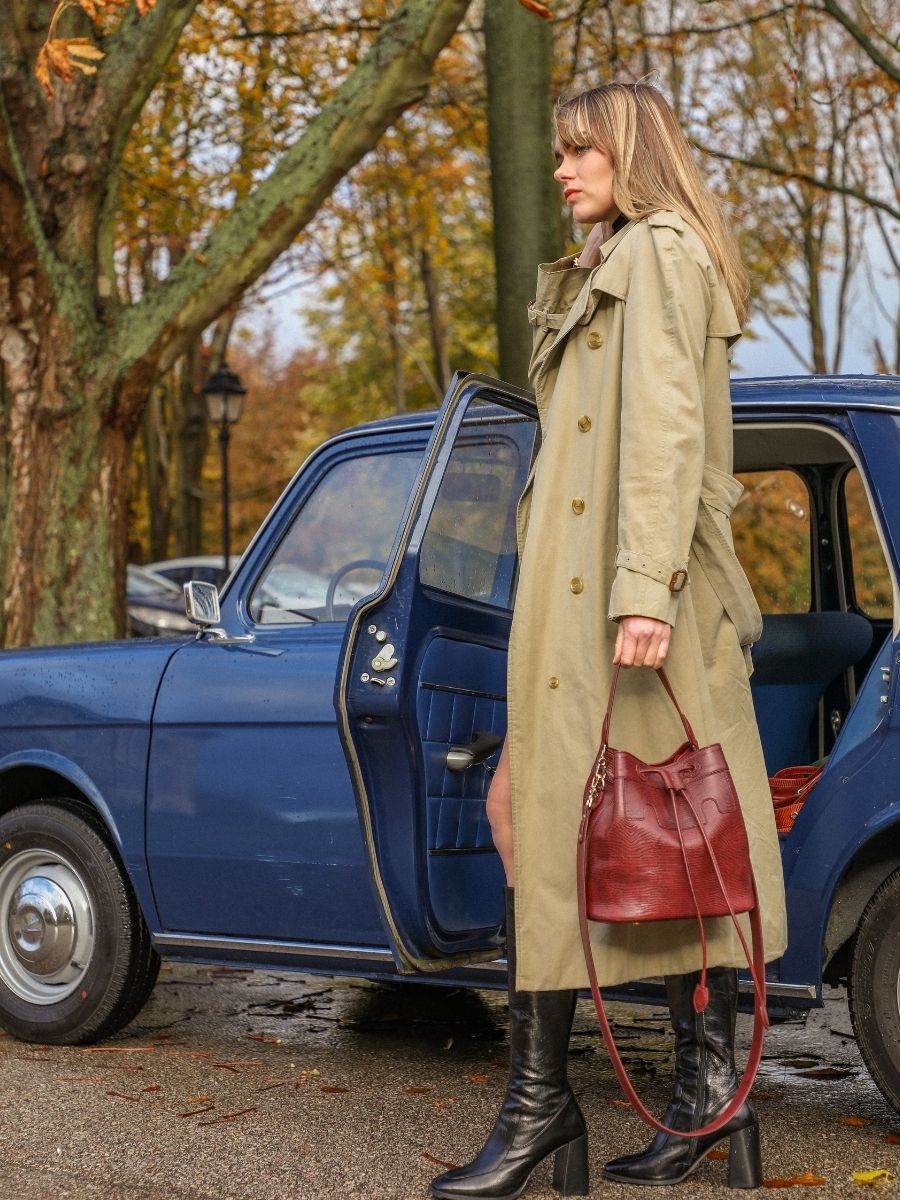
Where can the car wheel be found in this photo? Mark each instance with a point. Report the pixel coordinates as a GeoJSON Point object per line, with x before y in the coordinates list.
{"type": "Point", "coordinates": [76, 961]}
{"type": "Point", "coordinates": [874, 988]}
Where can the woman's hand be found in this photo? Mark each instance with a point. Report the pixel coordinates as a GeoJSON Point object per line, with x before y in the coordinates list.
{"type": "Point", "coordinates": [642, 642]}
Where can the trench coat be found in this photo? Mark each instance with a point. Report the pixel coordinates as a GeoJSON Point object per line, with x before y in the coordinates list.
{"type": "Point", "coordinates": [626, 512]}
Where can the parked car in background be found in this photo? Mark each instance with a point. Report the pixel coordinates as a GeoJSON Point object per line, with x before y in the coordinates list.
{"type": "Point", "coordinates": [208, 568]}
{"type": "Point", "coordinates": [155, 604]}
{"type": "Point", "coordinates": [303, 784]}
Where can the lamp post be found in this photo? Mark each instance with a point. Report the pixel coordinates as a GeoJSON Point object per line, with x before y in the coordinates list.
{"type": "Point", "coordinates": [224, 395]}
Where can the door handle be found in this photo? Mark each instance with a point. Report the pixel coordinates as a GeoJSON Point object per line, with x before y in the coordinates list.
{"type": "Point", "coordinates": [482, 746]}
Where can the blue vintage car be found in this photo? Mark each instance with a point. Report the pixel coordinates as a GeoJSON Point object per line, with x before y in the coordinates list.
{"type": "Point", "coordinates": [303, 784]}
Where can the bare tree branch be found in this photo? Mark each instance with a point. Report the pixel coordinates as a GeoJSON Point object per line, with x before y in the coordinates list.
{"type": "Point", "coordinates": [891, 69]}
{"type": "Point", "coordinates": [782, 172]}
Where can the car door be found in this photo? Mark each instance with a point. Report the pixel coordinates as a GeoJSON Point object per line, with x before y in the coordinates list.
{"type": "Point", "coordinates": [251, 820]}
{"type": "Point", "coordinates": [421, 688]}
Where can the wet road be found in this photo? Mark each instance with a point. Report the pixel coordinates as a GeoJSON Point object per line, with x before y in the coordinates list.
{"type": "Point", "coordinates": [257, 1085]}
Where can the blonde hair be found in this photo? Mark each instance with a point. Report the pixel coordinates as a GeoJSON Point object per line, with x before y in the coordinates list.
{"type": "Point", "coordinates": [654, 168]}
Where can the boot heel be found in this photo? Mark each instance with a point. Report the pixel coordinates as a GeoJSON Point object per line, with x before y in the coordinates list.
{"type": "Point", "coordinates": [745, 1158]}
{"type": "Point", "coordinates": [570, 1168]}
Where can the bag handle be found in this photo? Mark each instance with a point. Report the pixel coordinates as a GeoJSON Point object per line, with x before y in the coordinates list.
{"type": "Point", "coordinates": [604, 736]}
{"type": "Point", "coordinates": [756, 963]}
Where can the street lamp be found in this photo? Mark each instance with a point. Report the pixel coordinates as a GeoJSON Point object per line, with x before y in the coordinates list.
{"type": "Point", "coordinates": [224, 395]}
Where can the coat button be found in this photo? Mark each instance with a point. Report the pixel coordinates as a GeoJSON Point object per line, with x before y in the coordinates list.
{"type": "Point", "coordinates": [553, 681]}
{"type": "Point", "coordinates": [576, 584]}
{"type": "Point", "coordinates": [584, 423]}
{"type": "Point", "coordinates": [578, 505]}
{"type": "Point", "coordinates": [594, 340]}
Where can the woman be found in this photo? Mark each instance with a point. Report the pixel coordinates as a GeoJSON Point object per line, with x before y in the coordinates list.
{"type": "Point", "coordinates": [628, 559]}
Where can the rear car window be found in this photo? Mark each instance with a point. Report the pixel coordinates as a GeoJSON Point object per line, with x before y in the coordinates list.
{"type": "Point", "coordinates": [772, 538]}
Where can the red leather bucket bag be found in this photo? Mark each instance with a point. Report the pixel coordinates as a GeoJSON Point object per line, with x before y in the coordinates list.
{"type": "Point", "coordinates": [666, 841]}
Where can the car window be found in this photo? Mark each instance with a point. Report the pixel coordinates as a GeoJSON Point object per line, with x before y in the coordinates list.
{"type": "Point", "coordinates": [335, 550]}
{"type": "Point", "coordinates": [871, 582]}
{"type": "Point", "coordinates": [772, 531]}
{"type": "Point", "coordinates": [469, 548]}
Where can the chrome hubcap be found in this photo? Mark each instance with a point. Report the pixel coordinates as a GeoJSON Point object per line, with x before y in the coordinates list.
{"type": "Point", "coordinates": [47, 932]}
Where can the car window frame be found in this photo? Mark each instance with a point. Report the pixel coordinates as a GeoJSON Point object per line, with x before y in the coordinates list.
{"type": "Point", "coordinates": [844, 545]}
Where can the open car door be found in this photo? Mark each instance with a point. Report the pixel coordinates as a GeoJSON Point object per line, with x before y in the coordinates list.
{"type": "Point", "coordinates": [421, 688]}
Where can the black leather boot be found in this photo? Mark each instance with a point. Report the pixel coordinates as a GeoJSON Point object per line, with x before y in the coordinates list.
{"type": "Point", "coordinates": [705, 1080]}
{"type": "Point", "coordinates": [539, 1114]}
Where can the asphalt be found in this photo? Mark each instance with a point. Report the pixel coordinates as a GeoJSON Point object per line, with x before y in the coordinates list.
{"type": "Point", "coordinates": [261, 1085]}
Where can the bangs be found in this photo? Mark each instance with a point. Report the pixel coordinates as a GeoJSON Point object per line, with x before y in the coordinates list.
{"type": "Point", "coordinates": [571, 120]}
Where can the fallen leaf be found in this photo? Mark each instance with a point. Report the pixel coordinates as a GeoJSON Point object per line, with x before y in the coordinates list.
{"type": "Point", "coordinates": [856, 1122]}
{"type": "Point", "coordinates": [201, 1099]}
{"type": "Point", "coordinates": [439, 1162]}
{"type": "Point", "coordinates": [422, 1091]}
{"type": "Point", "coordinates": [333, 1090]}
{"type": "Point", "coordinates": [892, 1139]}
{"type": "Point", "coordinates": [232, 1116]}
{"type": "Point", "coordinates": [807, 1179]}
{"type": "Point", "coordinates": [117, 1049]}
{"type": "Point", "coordinates": [718, 1154]}
{"type": "Point", "coordinates": [477, 1078]}
{"type": "Point", "coordinates": [619, 1103]}
{"type": "Point", "coordinates": [873, 1176]}
{"type": "Point", "coordinates": [152, 1087]}
{"type": "Point", "coordinates": [194, 1111]}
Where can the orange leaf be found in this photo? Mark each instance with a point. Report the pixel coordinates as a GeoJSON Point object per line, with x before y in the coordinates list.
{"type": "Point", "coordinates": [477, 1078]}
{"type": "Point", "coordinates": [439, 1162]}
{"type": "Point", "coordinates": [807, 1179]}
{"type": "Point", "coordinates": [540, 9]}
{"type": "Point", "coordinates": [719, 1154]}
{"type": "Point", "coordinates": [855, 1121]}
{"type": "Point", "coordinates": [333, 1090]}
{"type": "Point", "coordinates": [892, 1139]}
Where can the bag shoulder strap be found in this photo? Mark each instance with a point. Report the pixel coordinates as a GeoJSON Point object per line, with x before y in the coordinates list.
{"type": "Point", "coordinates": [756, 963]}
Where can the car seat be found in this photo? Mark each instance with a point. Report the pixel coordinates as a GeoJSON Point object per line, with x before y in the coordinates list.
{"type": "Point", "coordinates": [794, 661]}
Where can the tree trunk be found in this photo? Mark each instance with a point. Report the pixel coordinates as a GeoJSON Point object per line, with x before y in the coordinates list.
{"type": "Point", "coordinates": [156, 465]}
{"type": "Point", "coordinates": [66, 489]}
{"type": "Point", "coordinates": [435, 320]}
{"type": "Point", "coordinates": [193, 436]}
{"type": "Point", "coordinates": [526, 198]}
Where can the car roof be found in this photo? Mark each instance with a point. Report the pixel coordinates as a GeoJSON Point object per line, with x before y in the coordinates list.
{"type": "Point", "coordinates": [820, 391]}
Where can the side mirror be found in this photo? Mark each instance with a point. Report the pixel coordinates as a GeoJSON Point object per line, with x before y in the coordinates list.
{"type": "Point", "coordinates": [201, 603]}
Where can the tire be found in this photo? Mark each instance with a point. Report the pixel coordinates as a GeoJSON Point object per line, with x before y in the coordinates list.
{"type": "Point", "coordinates": [76, 960]}
{"type": "Point", "coordinates": [873, 988]}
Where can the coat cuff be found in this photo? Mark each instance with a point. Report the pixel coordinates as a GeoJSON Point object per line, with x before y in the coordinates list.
{"type": "Point", "coordinates": [635, 594]}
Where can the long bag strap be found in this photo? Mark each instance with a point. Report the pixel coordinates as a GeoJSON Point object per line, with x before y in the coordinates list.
{"type": "Point", "coordinates": [755, 961]}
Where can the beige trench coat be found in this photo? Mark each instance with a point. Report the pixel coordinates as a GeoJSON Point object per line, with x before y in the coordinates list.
{"type": "Point", "coordinates": [632, 484]}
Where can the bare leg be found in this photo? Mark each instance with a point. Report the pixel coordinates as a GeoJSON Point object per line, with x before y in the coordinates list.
{"type": "Point", "coordinates": [499, 812]}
